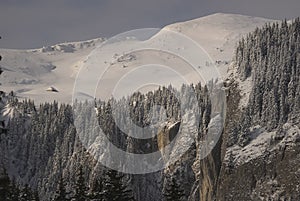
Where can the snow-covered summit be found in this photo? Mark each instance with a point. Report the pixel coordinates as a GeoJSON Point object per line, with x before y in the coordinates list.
{"type": "Point", "coordinates": [218, 33]}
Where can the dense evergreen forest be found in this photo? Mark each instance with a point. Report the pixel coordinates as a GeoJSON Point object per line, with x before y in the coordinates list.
{"type": "Point", "coordinates": [41, 140]}
{"type": "Point", "coordinates": [270, 57]}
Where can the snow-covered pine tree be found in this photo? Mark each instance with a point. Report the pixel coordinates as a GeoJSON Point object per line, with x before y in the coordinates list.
{"type": "Point", "coordinates": [96, 193]}
{"type": "Point", "coordinates": [4, 186]}
{"type": "Point", "coordinates": [81, 189]}
{"type": "Point", "coordinates": [26, 194]}
{"type": "Point", "coordinates": [61, 192]}
{"type": "Point", "coordinates": [172, 190]}
{"type": "Point", "coordinates": [115, 187]}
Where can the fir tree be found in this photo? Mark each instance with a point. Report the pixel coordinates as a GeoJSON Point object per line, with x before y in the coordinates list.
{"type": "Point", "coordinates": [61, 193]}
{"type": "Point", "coordinates": [114, 189]}
{"type": "Point", "coordinates": [80, 186]}
{"type": "Point", "coordinates": [14, 190]}
{"type": "Point", "coordinates": [4, 186]}
{"type": "Point", "coordinates": [36, 196]}
{"type": "Point", "coordinates": [97, 191]}
{"type": "Point", "coordinates": [26, 194]}
{"type": "Point", "coordinates": [172, 190]}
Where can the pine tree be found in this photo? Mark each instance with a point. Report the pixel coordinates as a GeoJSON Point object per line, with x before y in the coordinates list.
{"type": "Point", "coordinates": [97, 191]}
{"type": "Point", "coordinates": [36, 196]}
{"type": "Point", "coordinates": [4, 186]}
{"type": "Point", "coordinates": [61, 193]}
{"type": "Point", "coordinates": [14, 190]}
{"type": "Point", "coordinates": [114, 189]}
{"type": "Point", "coordinates": [172, 190]}
{"type": "Point", "coordinates": [26, 194]}
{"type": "Point", "coordinates": [80, 186]}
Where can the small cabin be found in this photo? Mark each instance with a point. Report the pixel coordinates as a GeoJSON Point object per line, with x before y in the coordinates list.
{"type": "Point", "coordinates": [52, 89]}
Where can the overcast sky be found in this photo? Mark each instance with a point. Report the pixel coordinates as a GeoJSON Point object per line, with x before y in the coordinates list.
{"type": "Point", "coordinates": [36, 23]}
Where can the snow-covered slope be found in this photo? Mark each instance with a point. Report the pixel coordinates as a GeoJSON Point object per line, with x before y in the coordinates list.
{"type": "Point", "coordinates": [219, 33]}
{"type": "Point", "coordinates": [31, 72]}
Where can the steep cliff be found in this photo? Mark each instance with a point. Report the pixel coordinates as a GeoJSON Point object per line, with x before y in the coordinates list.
{"type": "Point", "coordinates": [262, 143]}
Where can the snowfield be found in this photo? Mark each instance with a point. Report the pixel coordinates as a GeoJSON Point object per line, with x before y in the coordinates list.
{"type": "Point", "coordinates": [30, 73]}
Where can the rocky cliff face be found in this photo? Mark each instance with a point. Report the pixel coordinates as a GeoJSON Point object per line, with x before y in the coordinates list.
{"type": "Point", "coordinates": [264, 169]}
{"type": "Point", "coordinates": [260, 148]}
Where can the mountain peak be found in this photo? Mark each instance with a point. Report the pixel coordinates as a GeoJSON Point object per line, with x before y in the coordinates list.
{"type": "Point", "coordinates": [230, 19]}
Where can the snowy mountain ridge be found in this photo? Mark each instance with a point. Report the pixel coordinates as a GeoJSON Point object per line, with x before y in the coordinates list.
{"type": "Point", "coordinates": [30, 72]}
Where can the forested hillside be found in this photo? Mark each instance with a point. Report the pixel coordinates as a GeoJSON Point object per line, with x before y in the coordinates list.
{"type": "Point", "coordinates": [44, 149]}
{"type": "Point", "coordinates": [270, 58]}
{"type": "Point", "coordinates": [263, 135]}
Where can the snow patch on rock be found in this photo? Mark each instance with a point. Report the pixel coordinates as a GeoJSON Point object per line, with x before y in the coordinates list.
{"type": "Point", "coordinates": [245, 86]}
{"type": "Point", "coordinates": [261, 142]}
